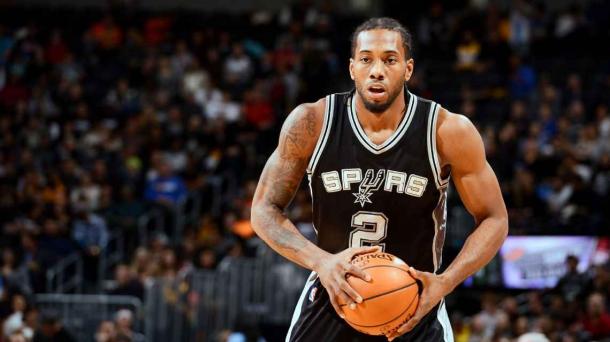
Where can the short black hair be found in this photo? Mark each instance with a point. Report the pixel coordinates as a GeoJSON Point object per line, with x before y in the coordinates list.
{"type": "Point", "coordinates": [385, 23]}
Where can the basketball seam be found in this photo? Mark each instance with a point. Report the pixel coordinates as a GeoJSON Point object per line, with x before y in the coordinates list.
{"type": "Point", "coordinates": [385, 293]}
{"type": "Point", "coordinates": [392, 266]}
{"type": "Point", "coordinates": [378, 325]}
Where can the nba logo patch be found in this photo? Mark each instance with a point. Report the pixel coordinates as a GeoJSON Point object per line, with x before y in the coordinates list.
{"type": "Point", "coordinates": [312, 294]}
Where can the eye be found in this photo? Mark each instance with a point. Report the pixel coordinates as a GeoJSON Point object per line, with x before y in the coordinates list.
{"type": "Point", "coordinates": [365, 59]}
{"type": "Point", "coordinates": [391, 60]}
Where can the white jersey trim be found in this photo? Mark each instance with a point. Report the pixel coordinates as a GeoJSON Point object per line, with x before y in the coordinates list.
{"type": "Point", "coordinates": [297, 310]}
{"type": "Point", "coordinates": [443, 319]}
{"type": "Point", "coordinates": [438, 226]}
{"type": "Point", "coordinates": [325, 132]}
{"type": "Point", "coordinates": [432, 152]}
{"type": "Point", "coordinates": [393, 139]}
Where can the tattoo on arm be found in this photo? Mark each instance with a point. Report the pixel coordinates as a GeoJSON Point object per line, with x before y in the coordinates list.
{"type": "Point", "coordinates": [294, 150]}
{"type": "Point", "coordinates": [281, 178]}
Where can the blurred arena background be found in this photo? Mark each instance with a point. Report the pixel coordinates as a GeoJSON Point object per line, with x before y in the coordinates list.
{"type": "Point", "coordinates": [132, 134]}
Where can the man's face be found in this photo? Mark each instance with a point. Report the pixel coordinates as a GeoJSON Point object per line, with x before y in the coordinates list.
{"type": "Point", "coordinates": [572, 264]}
{"type": "Point", "coordinates": [379, 68]}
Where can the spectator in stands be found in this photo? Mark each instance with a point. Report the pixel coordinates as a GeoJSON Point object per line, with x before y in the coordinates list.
{"type": "Point", "coordinates": [238, 67]}
{"type": "Point", "coordinates": [258, 109]}
{"type": "Point", "coordinates": [91, 234]}
{"type": "Point", "coordinates": [532, 337]}
{"type": "Point", "coordinates": [14, 322]}
{"type": "Point", "coordinates": [221, 108]}
{"type": "Point", "coordinates": [106, 33]}
{"type": "Point", "coordinates": [87, 193]}
{"type": "Point", "coordinates": [573, 283]}
{"type": "Point", "coordinates": [206, 259]}
{"type": "Point", "coordinates": [30, 323]}
{"type": "Point", "coordinates": [18, 337]}
{"type": "Point", "coordinates": [54, 191]}
{"type": "Point", "coordinates": [123, 99]}
{"type": "Point", "coordinates": [491, 316]}
{"type": "Point", "coordinates": [52, 330]}
{"type": "Point", "coordinates": [124, 323]}
{"type": "Point", "coordinates": [54, 242]}
{"type": "Point", "coordinates": [169, 264]}
{"type": "Point", "coordinates": [56, 49]}
{"type": "Point", "coordinates": [140, 262]}
{"type": "Point", "coordinates": [13, 275]}
{"type": "Point", "coordinates": [122, 338]}
{"type": "Point", "coordinates": [467, 53]}
{"type": "Point", "coordinates": [123, 214]}
{"type": "Point", "coordinates": [89, 231]}
{"type": "Point", "coordinates": [597, 320]}
{"type": "Point", "coordinates": [126, 283]}
{"type": "Point", "coordinates": [166, 188]}
{"type": "Point", "coordinates": [106, 332]}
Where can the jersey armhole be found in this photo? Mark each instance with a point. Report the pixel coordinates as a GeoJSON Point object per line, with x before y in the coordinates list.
{"type": "Point", "coordinates": [325, 132]}
{"type": "Point", "coordinates": [432, 152]}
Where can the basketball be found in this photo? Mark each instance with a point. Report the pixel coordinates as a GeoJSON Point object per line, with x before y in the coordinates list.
{"type": "Point", "coordinates": [388, 300]}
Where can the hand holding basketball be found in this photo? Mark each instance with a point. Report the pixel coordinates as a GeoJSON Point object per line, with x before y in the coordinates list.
{"type": "Point", "coordinates": [435, 287]}
{"type": "Point", "coordinates": [332, 272]}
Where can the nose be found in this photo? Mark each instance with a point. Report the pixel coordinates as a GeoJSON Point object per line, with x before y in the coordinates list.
{"type": "Point", "coordinates": [377, 71]}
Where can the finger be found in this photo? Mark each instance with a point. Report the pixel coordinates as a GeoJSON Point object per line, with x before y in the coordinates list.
{"type": "Point", "coordinates": [408, 326]}
{"type": "Point", "coordinates": [422, 309]}
{"type": "Point", "coordinates": [363, 250]}
{"type": "Point", "coordinates": [411, 323]}
{"type": "Point", "coordinates": [357, 272]}
{"type": "Point", "coordinates": [392, 335]}
{"type": "Point", "coordinates": [342, 297]}
{"type": "Point", "coordinates": [349, 302]}
{"type": "Point", "coordinates": [336, 306]}
{"type": "Point", "coordinates": [349, 291]}
{"type": "Point", "coordinates": [415, 273]}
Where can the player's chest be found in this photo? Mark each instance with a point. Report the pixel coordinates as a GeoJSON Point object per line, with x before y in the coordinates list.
{"type": "Point", "coordinates": [362, 185]}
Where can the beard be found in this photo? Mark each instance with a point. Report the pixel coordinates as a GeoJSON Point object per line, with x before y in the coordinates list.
{"type": "Point", "coordinates": [378, 107]}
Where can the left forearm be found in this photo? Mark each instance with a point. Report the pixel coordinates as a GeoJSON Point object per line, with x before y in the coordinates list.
{"type": "Point", "coordinates": [480, 247]}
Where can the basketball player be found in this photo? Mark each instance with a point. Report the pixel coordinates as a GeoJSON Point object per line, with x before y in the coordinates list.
{"type": "Point", "coordinates": [378, 161]}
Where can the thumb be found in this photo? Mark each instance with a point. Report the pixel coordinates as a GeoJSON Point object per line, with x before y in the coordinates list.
{"type": "Point", "coordinates": [418, 275]}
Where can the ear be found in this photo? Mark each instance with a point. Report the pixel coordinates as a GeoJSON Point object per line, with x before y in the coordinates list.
{"type": "Point", "coordinates": [351, 69]}
{"type": "Point", "coordinates": [409, 69]}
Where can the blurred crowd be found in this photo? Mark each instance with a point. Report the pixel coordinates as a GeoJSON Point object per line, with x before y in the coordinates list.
{"type": "Point", "coordinates": [576, 309]}
{"type": "Point", "coordinates": [108, 116]}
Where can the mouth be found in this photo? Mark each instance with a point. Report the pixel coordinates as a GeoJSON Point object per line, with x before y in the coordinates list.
{"type": "Point", "coordinates": [376, 91]}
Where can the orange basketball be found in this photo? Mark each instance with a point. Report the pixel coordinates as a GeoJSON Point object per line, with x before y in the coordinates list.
{"type": "Point", "coordinates": [389, 299]}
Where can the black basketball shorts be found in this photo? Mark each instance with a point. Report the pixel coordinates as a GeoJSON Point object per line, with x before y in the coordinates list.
{"type": "Point", "coordinates": [315, 320]}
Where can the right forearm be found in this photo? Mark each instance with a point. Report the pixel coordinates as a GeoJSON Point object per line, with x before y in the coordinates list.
{"type": "Point", "coordinates": [272, 225]}
{"type": "Point", "coordinates": [280, 181]}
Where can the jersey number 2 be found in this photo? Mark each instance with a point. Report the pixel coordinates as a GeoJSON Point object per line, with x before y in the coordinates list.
{"type": "Point", "coordinates": [370, 229]}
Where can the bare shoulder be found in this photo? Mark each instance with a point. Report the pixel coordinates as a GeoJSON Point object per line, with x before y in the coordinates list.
{"type": "Point", "coordinates": [301, 130]}
{"type": "Point", "coordinates": [458, 140]}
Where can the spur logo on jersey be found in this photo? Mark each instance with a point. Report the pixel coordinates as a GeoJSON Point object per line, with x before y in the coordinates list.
{"type": "Point", "coordinates": [368, 186]}
{"type": "Point", "coordinates": [392, 181]}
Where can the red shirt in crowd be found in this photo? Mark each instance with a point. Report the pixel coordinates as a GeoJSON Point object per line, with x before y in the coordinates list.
{"type": "Point", "coordinates": [598, 327]}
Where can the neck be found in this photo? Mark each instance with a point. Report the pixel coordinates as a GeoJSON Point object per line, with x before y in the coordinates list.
{"type": "Point", "coordinates": [388, 119]}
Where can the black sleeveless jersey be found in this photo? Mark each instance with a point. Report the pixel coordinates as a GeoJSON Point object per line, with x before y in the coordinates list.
{"type": "Point", "coordinates": [390, 195]}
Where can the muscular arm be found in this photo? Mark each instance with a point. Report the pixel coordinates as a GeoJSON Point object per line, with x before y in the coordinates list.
{"type": "Point", "coordinates": [460, 146]}
{"type": "Point", "coordinates": [278, 183]}
{"type": "Point", "coordinates": [280, 180]}
{"type": "Point", "coordinates": [461, 149]}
